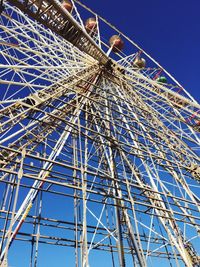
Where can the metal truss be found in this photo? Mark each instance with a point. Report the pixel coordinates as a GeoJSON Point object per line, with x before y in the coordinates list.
{"type": "Point", "coordinates": [96, 156]}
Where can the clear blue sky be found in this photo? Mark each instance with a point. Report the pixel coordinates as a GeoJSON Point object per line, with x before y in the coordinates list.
{"type": "Point", "coordinates": [168, 30]}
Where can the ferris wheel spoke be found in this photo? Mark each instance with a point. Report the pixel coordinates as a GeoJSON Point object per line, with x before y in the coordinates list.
{"type": "Point", "coordinates": [34, 103]}
{"type": "Point", "coordinates": [163, 157]}
{"type": "Point", "coordinates": [181, 117]}
{"type": "Point", "coordinates": [158, 122]}
{"type": "Point", "coordinates": [27, 203]}
{"type": "Point", "coordinates": [168, 230]}
{"type": "Point", "coordinates": [173, 136]}
{"type": "Point", "coordinates": [166, 191]}
{"type": "Point", "coordinates": [40, 43]}
{"type": "Point", "coordinates": [39, 132]}
{"type": "Point", "coordinates": [138, 239]}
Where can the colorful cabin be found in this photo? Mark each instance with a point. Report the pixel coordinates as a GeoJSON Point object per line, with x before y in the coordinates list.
{"type": "Point", "coordinates": [116, 43]}
{"type": "Point", "coordinates": [197, 123]}
{"type": "Point", "coordinates": [66, 4]}
{"type": "Point", "coordinates": [161, 79]}
{"type": "Point", "coordinates": [139, 62]}
{"type": "Point", "coordinates": [91, 25]}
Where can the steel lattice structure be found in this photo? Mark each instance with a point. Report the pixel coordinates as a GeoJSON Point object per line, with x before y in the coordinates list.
{"type": "Point", "coordinates": [96, 155]}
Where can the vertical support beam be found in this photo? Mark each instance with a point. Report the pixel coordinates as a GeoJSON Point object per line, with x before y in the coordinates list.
{"type": "Point", "coordinates": [117, 203]}
{"type": "Point", "coordinates": [84, 192]}
{"type": "Point", "coordinates": [136, 244]}
{"type": "Point", "coordinates": [4, 254]}
{"type": "Point", "coordinates": [38, 231]}
{"type": "Point", "coordinates": [76, 201]}
{"type": "Point", "coordinates": [120, 246]}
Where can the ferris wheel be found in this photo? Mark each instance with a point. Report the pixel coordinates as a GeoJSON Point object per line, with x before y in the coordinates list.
{"type": "Point", "coordinates": [99, 146]}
